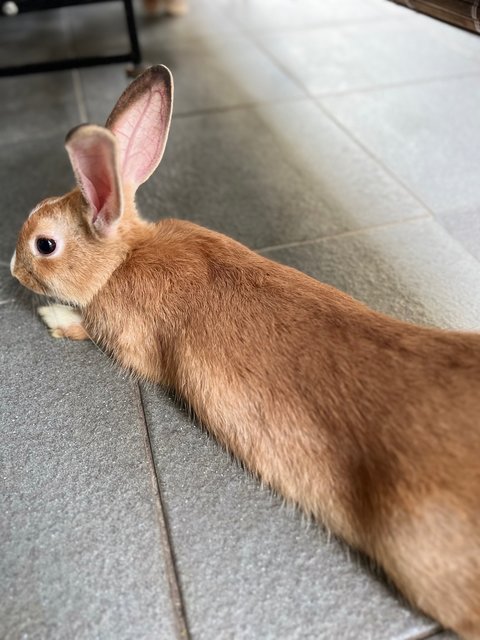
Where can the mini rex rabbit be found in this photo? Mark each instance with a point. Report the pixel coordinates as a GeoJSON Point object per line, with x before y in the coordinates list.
{"type": "Point", "coordinates": [368, 423]}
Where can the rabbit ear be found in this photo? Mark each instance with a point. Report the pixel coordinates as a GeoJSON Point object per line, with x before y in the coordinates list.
{"type": "Point", "coordinates": [140, 122]}
{"type": "Point", "coordinates": [92, 152]}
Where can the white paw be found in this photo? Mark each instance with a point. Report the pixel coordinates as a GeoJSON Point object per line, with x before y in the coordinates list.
{"type": "Point", "coordinates": [59, 316]}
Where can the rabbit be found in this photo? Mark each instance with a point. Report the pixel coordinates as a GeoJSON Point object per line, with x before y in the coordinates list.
{"type": "Point", "coordinates": [368, 423]}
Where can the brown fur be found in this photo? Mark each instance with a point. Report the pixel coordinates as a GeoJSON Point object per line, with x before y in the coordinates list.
{"type": "Point", "coordinates": [368, 423]}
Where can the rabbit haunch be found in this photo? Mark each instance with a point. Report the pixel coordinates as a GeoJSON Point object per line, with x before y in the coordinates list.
{"type": "Point", "coordinates": [368, 423]}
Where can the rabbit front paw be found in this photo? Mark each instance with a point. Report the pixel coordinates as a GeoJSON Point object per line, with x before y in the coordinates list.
{"type": "Point", "coordinates": [63, 322]}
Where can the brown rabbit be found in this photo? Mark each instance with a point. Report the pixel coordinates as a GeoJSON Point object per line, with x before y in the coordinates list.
{"type": "Point", "coordinates": [368, 423]}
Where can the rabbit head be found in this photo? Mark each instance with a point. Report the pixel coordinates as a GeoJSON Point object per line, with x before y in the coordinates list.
{"type": "Point", "coordinates": [70, 245]}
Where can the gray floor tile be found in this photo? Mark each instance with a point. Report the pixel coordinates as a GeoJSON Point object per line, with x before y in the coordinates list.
{"type": "Point", "coordinates": [250, 567]}
{"type": "Point", "coordinates": [287, 14]}
{"type": "Point", "coordinates": [427, 135]}
{"type": "Point", "coordinates": [34, 37]}
{"type": "Point", "coordinates": [35, 106]}
{"type": "Point", "coordinates": [29, 171]}
{"type": "Point", "coordinates": [365, 55]}
{"type": "Point", "coordinates": [81, 552]}
{"type": "Point", "coordinates": [414, 271]}
{"type": "Point", "coordinates": [272, 175]}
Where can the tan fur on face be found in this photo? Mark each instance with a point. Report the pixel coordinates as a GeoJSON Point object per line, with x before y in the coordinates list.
{"type": "Point", "coordinates": [85, 262]}
{"type": "Point", "coordinates": [370, 424]}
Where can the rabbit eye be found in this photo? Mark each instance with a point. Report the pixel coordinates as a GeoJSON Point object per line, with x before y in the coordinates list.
{"type": "Point", "coordinates": [45, 246]}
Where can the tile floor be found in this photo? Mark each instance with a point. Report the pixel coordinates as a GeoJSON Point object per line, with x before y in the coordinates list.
{"type": "Point", "coordinates": [338, 137]}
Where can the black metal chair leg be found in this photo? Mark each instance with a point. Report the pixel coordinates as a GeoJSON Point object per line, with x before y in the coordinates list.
{"type": "Point", "coordinates": [132, 32]}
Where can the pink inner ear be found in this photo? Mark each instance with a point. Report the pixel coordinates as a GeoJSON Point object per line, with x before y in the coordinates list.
{"type": "Point", "coordinates": [96, 180]}
{"type": "Point", "coordinates": [141, 133]}
{"type": "Point", "coordinates": [92, 154]}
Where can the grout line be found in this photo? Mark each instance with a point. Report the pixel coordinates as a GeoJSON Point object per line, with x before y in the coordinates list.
{"type": "Point", "coordinates": [80, 96]}
{"type": "Point", "coordinates": [4, 263]}
{"type": "Point", "coordinates": [374, 157]}
{"type": "Point", "coordinates": [7, 301]}
{"type": "Point", "coordinates": [77, 83]}
{"type": "Point", "coordinates": [345, 234]}
{"type": "Point", "coordinates": [166, 542]}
